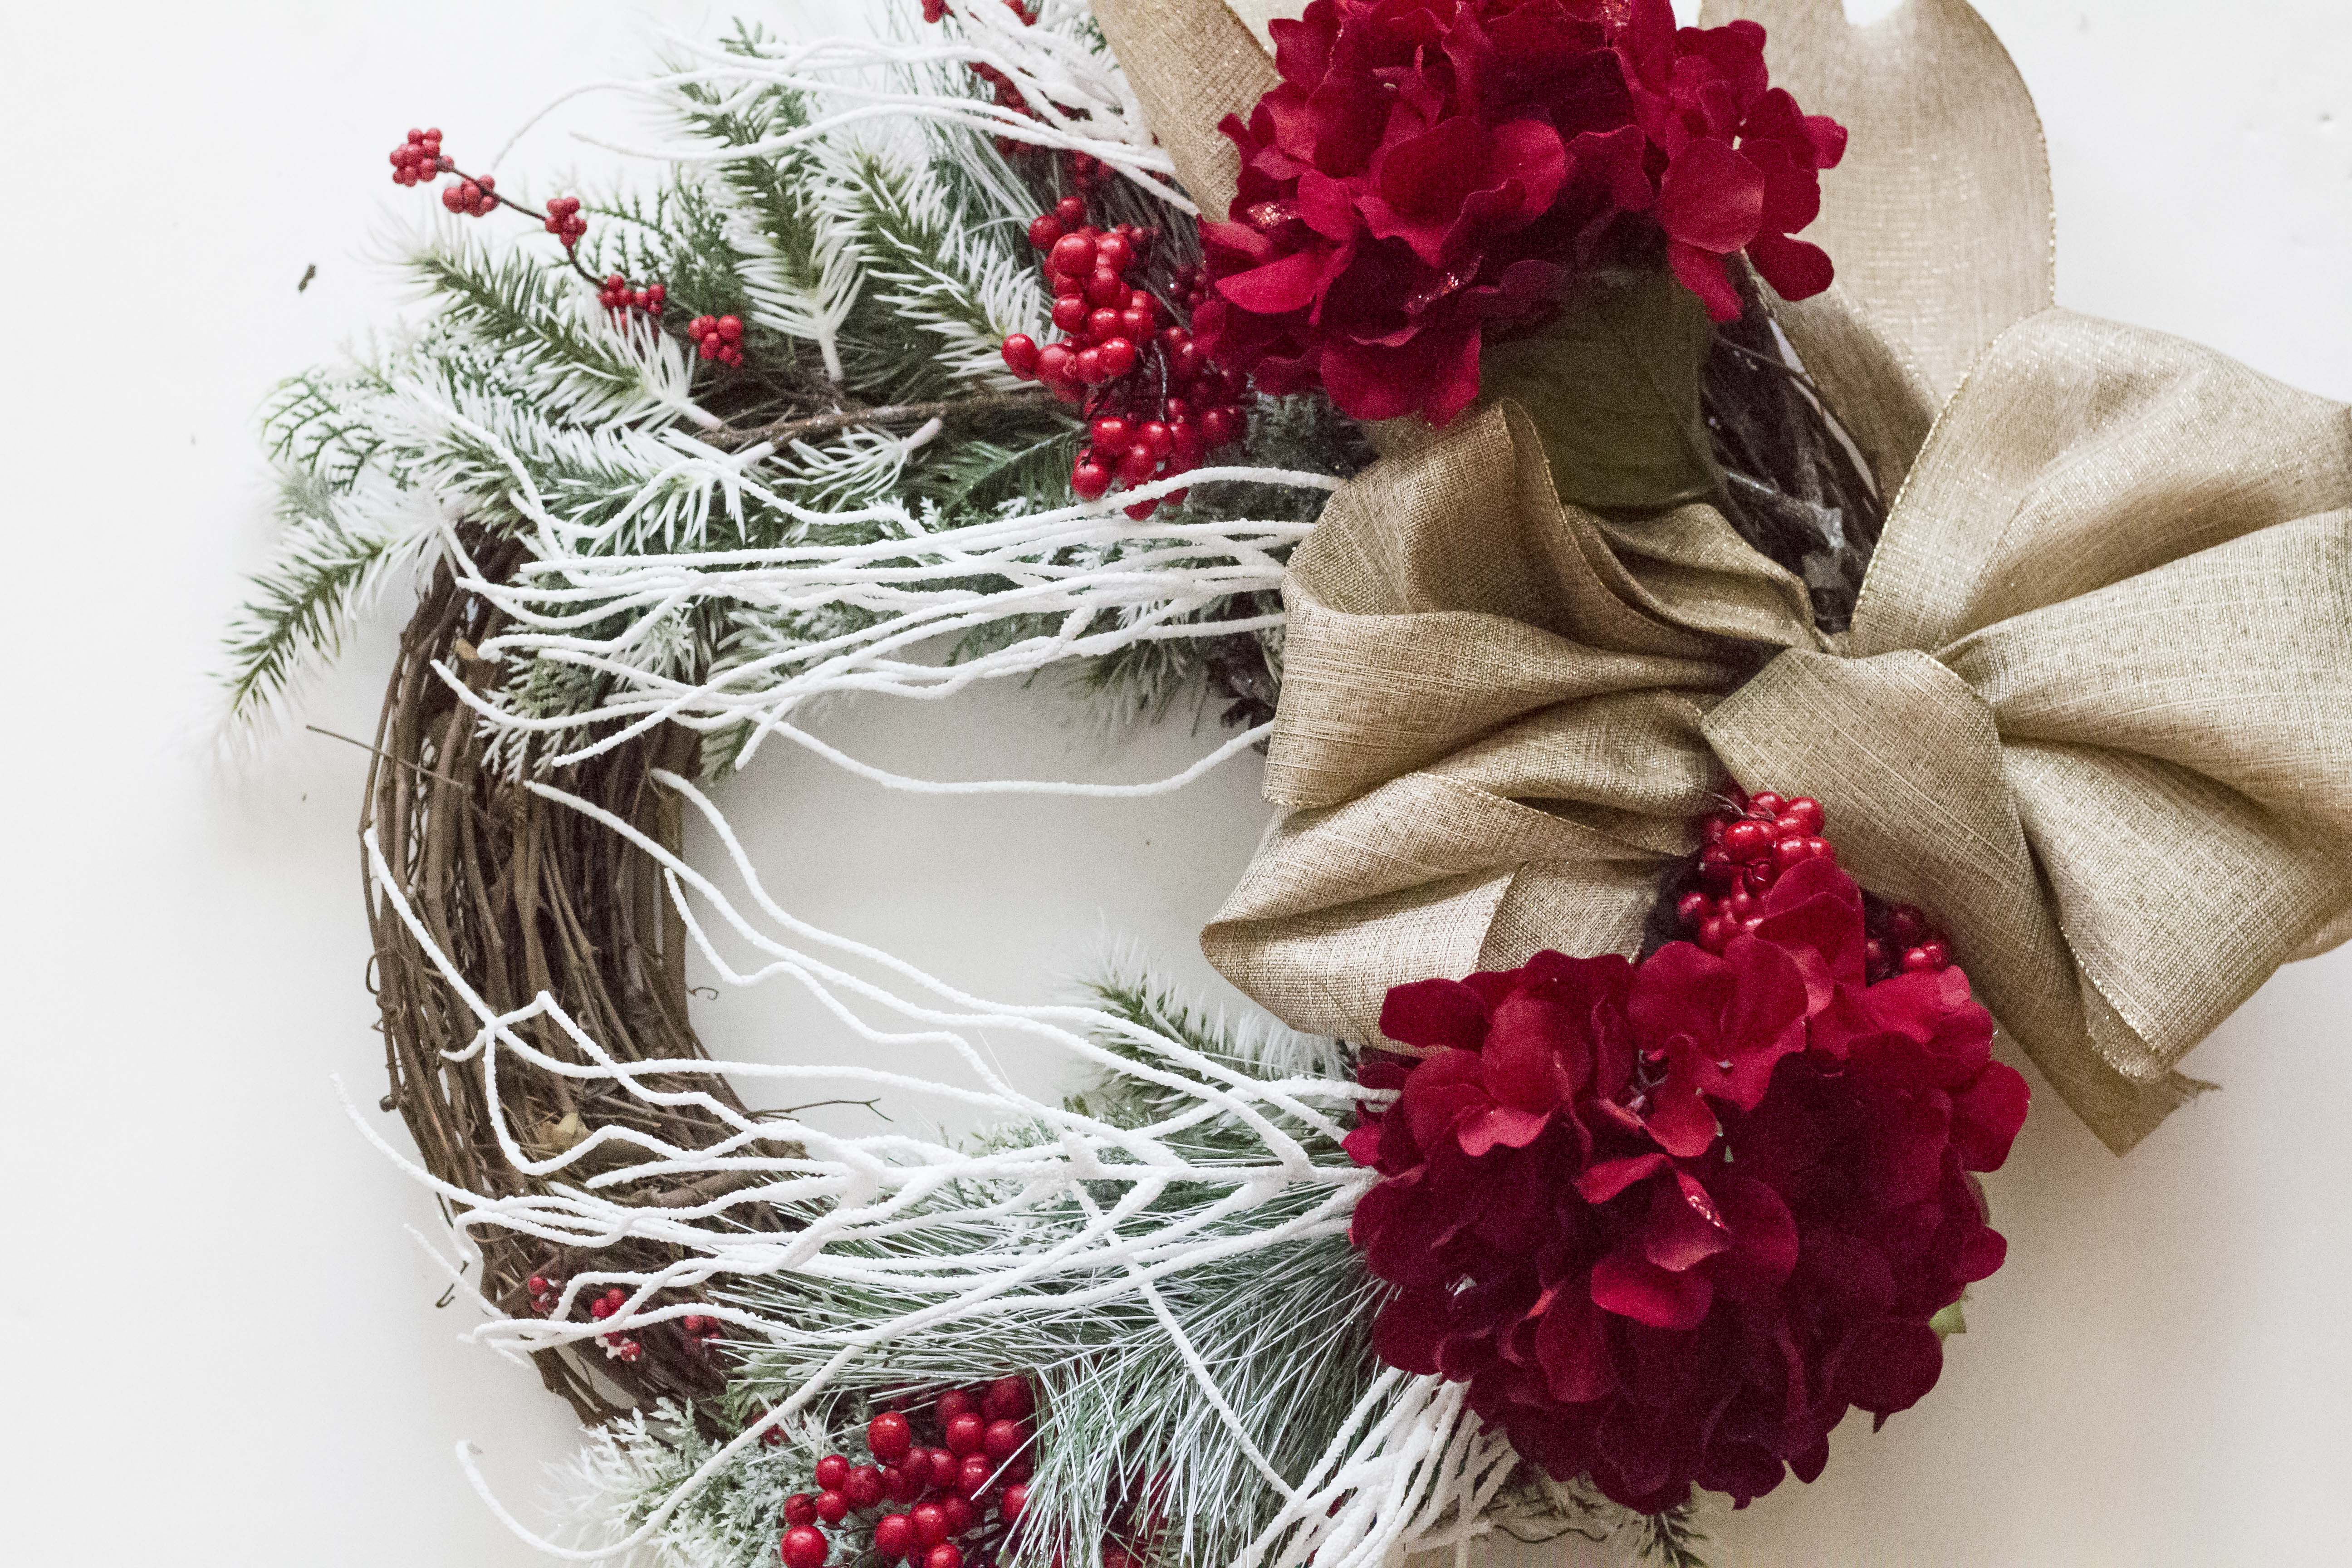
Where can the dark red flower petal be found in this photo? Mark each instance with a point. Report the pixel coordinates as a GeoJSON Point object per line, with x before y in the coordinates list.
{"type": "Point", "coordinates": [1797, 268]}
{"type": "Point", "coordinates": [1763, 1251]}
{"type": "Point", "coordinates": [1814, 912]}
{"type": "Point", "coordinates": [1571, 1346]}
{"type": "Point", "coordinates": [1410, 1330]}
{"type": "Point", "coordinates": [1288, 284]}
{"type": "Point", "coordinates": [1701, 272]}
{"type": "Point", "coordinates": [1683, 1228]}
{"type": "Point", "coordinates": [1987, 1116]}
{"type": "Point", "coordinates": [1637, 1288]}
{"type": "Point", "coordinates": [1599, 1183]}
{"type": "Point", "coordinates": [1435, 1014]}
{"type": "Point", "coordinates": [1889, 1366]}
{"type": "Point", "coordinates": [1500, 1126]}
{"type": "Point", "coordinates": [1712, 197]}
{"type": "Point", "coordinates": [1435, 374]}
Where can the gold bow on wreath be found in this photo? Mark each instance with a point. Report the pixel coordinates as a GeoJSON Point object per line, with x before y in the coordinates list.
{"type": "Point", "coordinates": [2094, 711]}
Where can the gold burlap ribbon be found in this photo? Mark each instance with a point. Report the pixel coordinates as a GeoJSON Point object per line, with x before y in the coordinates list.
{"type": "Point", "coordinates": [2095, 711]}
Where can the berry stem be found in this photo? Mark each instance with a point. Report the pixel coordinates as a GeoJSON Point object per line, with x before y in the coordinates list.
{"type": "Point", "coordinates": [570, 253]}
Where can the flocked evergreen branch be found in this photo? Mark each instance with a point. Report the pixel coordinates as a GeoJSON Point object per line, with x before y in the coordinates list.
{"type": "Point", "coordinates": [876, 269]}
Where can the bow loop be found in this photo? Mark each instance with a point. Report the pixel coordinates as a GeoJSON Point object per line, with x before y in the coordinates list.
{"type": "Point", "coordinates": [2096, 714]}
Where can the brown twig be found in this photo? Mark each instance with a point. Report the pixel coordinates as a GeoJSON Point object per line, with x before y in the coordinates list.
{"type": "Point", "coordinates": [784, 431]}
{"type": "Point", "coordinates": [523, 898]}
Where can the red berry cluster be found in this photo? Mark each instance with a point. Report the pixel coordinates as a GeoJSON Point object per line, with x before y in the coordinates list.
{"type": "Point", "coordinates": [950, 1506]}
{"type": "Point", "coordinates": [699, 1330]}
{"type": "Point", "coordinates": [1903, 941]}
{"type": "Point", "coordinates": [418, 161]}
{"type": "Point", "coordinates": [1191, 286]}
{"type": "Point", "coordinates": [1747, 850]}
{"type": "Point", "coordinates": [476, 197]}
{"type": "Point", "coordinates": [717, 337]}
{"type": "Point", "coordinates": [564, 222]}
{"type": "Point", "coordinates": [620, 1347]}
{"type": "Point", "coordinates": [1159, 406]}
{"type": "Point", "coordinates": [617, 297]}
{"type": "Point", "coordinates": [543, 1293]}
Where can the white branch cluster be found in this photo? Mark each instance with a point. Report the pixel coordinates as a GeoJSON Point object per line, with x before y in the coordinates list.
{"type": "Point", "coordinates": [1102, 581]}
{"type": "Point", "coordinates": [1079, 98]}
{"type": "Point", "coordinates": [1411, 1468]}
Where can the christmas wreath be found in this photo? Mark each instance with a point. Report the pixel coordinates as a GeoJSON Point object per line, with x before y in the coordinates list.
{"type": "Point", "coordinates": [1720, 642]}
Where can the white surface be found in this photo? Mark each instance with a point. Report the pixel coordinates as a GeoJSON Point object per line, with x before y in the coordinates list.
{"type": "Point", "coordinates": [223, 1348]}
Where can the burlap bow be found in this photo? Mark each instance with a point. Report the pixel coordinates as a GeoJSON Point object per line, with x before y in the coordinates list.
{"type": "Point", "coordinates": [2095, 711]}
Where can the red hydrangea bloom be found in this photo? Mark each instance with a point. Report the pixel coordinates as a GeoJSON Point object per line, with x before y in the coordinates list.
{"type": "Point", "coordinates": [1670, 1222]}
{"type": "Point", "coordinates": [1429, 169]}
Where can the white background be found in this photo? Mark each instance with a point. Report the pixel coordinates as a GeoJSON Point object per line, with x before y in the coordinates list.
{"type": "Point", "coordinates": [221, 1348]}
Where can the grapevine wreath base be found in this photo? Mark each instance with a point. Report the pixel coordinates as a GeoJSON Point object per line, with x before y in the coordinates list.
{"type": "Point", "coordinates": [1467, 422]}
{"type": "Point", "coordinates": [524, 897]}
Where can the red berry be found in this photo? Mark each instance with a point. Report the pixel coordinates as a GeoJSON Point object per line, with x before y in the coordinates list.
{"type": "Point", "coordinates": [1766, 804]}
{"type": "Point", "coordinates": [1143, 509]}
{"type": "Point", "coordinates": [1918, 961]}
{"type": "Point", "coordinates": [1056, 363]}
{"type": "Point", "coordinates": [965, 1434]}
{"type": "Point", "coordinates": [1137, 465]}
{"type": "Point", "coordinates": [1939, 956]}
{"type": "Point", "coordinates": [1748, 840]}
{"type": "Point", "coordinates": [946, 1554]}
{"type": "Point", "coordinates": [731, 329]}
{"type": "Point", "coordinates": [961, 1514]}
{"type": "Point", "coordinates": [1715, 934]}
{"type": "Point", "coordinates": [864, 1487]}
{"type": "Point", "coordinates": [1090, 367]}
{"type": "Point", "coordinates": [1004, 1439]}
{"type": "Point", "coordinates": [1807, 811]}
{"type": "Point", "coordinates": [1102, 324]}
{"type": "Point", "coordinates": [1219, 427]}
{"type": "Point", "coordinates": [930, 1522]}
{"type": "Point", "coordinates": [1105, 287]}
{"type": "Point", "coordinates": [1117, 358]}
{"type": "Point", "coordinates": [1044, 232]}
{"type": "Point", "coordinates": [1020, 355]}
{"type": "Point", "coordinates": [1114, 252]}
{"type": "Point", "coordinates": [831, 1471]}
{"type": "Point", "coordinates": [900, 1486]}
{"type": "Point", "coordinates": [800, 1509]}
{"type": "Point", "coordinates": [894, 1536]}
{"type": "Point", "coordinates": [537, 1284]}
{"type": "Point", "coordinates": [1694, 909]}
{"type": "Point", "coordinates": [1090, 480]}
{"type": "Point", "coordinates": [1073, 253]}
{"type": "Point", "coordinates": [1905, 924]}
{"type": "Point", "coordinates": [1109, 431]}
{"type": "Point", "coordinates": [831, 1507]}
{"type": "Point", "coordinates": [600, 1309]}
{"type": "Point", "coordinates": [1741, 906]}
{"type": "Point", "coordinates": [1071, 211]}
{"type": "Point", "coordinates": [943, 1467]}
{"type": "Point", "coordinates": [1155, 435]}
{"type": "Point", "coordinates": [804, 1547]}
{"type": "Point", "coordinates": [975, 1475]}
{"type": "Point", "coordinates": [1014, 1502]}
{"type": "Point", "coordinates": [1819, 849]}
{"type": "Point", "coordinates": [1790, 852]}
